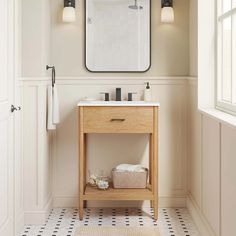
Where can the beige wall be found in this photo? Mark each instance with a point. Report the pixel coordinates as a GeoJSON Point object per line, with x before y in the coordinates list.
{"type": "Point", "coordinates": [36, 37]}
{"type": "Point", "coordinates": [193, 37]}
{"type": "Point", "coordinates": [170, 57]}
{"type": "Point", "coordinates": [170, 42]}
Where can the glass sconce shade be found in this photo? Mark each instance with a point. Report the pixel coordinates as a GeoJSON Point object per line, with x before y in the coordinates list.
{"type": "Point", "coordinates": [68, 14]}
{"type": "Point", "coordinates": [167, 15]}
{"type": "Point", "coordinates": [69, 11]}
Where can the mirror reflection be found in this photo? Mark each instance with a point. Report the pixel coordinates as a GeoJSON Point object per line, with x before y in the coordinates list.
{"type": "Point", "coordinates": [117, 35]}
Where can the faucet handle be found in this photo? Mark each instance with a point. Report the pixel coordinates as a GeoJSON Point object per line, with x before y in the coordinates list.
{"type": "Point", "coordinates": [130, 96]}
{"type": "Point", "coordinates": [106, 96]}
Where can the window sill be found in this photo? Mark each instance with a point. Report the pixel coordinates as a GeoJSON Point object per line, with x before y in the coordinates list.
{"type": "Point", "coordinates": [220, 116]}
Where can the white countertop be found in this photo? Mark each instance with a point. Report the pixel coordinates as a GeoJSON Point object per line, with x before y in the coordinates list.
{"type": "Point", "coordinates": [118, 104]}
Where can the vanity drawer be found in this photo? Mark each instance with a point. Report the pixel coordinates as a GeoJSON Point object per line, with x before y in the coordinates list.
{"type": "Point", "coordinates": [118, 119]}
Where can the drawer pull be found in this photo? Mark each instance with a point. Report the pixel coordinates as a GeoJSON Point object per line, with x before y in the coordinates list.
{"type": "Point", "coordinates": [117, 120]}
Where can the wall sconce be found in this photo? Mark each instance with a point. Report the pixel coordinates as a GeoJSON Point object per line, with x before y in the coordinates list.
{"type": "Point", "coordinates": [69, 11]}
{"type": "Point", "coordinates": [167, 11]}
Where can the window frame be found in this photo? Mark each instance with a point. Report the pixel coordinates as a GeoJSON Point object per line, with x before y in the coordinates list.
{"type": "Point", "coordinates": [220, 104]}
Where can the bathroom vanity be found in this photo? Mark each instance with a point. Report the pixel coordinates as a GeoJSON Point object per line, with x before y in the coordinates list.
{"type": "Point", "coordinates": [118, 117]}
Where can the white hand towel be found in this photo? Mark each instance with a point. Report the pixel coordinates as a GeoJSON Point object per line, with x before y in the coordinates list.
{"type": "Point", "coordinates": [130, 168]}
{"type": "Point", "coordinates": [55, 107]}
{"type": "Point", "coordinates": [50, 124]}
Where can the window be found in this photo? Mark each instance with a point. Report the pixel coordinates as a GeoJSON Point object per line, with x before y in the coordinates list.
{"type": "Point", "coordinates": [226, 55]}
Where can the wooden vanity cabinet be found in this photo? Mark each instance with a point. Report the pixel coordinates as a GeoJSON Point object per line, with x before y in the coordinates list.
{"type": "Point", "coordinates": [112, 120]}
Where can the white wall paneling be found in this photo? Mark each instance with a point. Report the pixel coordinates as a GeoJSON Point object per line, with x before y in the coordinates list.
{"type": "Point", "coordinates": [37, 155]}
{"type": "Point", "coordinates": [228, 177]}
{"type": "Point", "coordinates": [169, 91]}
{"type": "Point", "coordinates": [199, 163]}
{"type": "Point", "coordinates": [213, 210]}
{"type": "Point", "coordinates": [194, 143]}
{"type": "Point", "coordinates": [211, 171]}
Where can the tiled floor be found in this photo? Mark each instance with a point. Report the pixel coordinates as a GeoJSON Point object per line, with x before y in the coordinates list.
{"type": "Point", "coordinates": [64, 221]}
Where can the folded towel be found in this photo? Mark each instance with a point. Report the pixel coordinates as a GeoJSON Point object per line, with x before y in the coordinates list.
{"type": "Point", "coordinates": [50, 124]}
{"type": "Point", "coordinates": [55, 107]}
{"type": "Point", "coordinates": [130, 168]}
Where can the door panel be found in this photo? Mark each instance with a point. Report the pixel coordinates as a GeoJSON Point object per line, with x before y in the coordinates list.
{"type": "Point", "coordinates": [3, 49]}
{"type": "Point", "coordinates": [18, 131]}
{"type": "Point", "coordinates": [4, 167]}
{"type": "Point", "coordinates": [6, 120]}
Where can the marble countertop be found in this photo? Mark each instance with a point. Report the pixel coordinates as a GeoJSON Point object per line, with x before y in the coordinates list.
{"type": "Point", "coordinates": [118, 103]}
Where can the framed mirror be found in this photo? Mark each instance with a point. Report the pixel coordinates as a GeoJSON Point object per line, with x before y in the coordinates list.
{"type": "Point", "coordinates": [118, 35]}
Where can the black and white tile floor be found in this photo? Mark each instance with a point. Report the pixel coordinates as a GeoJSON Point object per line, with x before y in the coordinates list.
{"type": "Point", "coordinates": [64, 221]}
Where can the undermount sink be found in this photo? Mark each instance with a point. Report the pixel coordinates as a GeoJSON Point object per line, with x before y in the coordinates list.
{"type": "Point", "coordinates": [117, 103]}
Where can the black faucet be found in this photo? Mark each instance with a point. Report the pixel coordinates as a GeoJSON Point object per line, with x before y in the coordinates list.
{"type": "Point", "coordinates": [118, 94]}
{"type": "Point", "coordinates": [106, 96]}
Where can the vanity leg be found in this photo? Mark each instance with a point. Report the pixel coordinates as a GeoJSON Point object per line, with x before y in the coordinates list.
{"type": "Point", "coordinates": [150, 164]}
{"type": "Point", "coordinates": [81, 164]}
{"type": "Point", "coordinates": [85, 165]}
{"type": "Point", "coordinates": [81, 209]}
{"type": "Point", "coordinates": [155, 164]}
{"type": "Point", "coordinates": [152, 203]}
{"type": "Point", "coordinates": [155, 207]}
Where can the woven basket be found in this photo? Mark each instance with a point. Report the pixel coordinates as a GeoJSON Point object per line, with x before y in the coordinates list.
{"type": "Point", "coordinates": [126, 179]}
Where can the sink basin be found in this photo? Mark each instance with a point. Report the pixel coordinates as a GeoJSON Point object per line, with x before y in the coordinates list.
{"type": "Point", "coordinates": [117, 103]}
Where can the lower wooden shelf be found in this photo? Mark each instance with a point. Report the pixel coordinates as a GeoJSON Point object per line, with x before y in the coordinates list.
{"type": "Point", "coordinates": [92, 193]}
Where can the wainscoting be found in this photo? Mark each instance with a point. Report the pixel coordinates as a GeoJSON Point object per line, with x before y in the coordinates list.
{"type": "Point", "coordinates": [51, 159]}
{"type": "Point", "coordinates": [211, 170]}
{"type": "Point", "coordinates": [37, 154]}
{"type": "Point", "coordinates": [40, 146]}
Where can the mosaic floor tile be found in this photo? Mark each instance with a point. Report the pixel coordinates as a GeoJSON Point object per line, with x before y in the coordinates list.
{"type": "Point", "coordinates": [64, 221]}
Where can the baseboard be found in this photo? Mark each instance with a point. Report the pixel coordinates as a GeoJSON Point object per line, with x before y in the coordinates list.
{"type": "Point", "coordinates": [203, 226]}
{"type": "Point", "coordinates": [163, 202]}
{"type": "Point", "coordinates": [172, 201]}
{"type": "Point", "coordinates": [38, 217]}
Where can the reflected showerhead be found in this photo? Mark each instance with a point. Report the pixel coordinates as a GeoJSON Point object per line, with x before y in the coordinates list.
{"type": "Point", "coordinates": [135, 6]}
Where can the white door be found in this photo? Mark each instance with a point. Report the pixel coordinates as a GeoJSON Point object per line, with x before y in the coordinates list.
{"type": "Point", "coordinates": [6, 117]}
{"type": "Point", "coordinates": [18, 119]}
